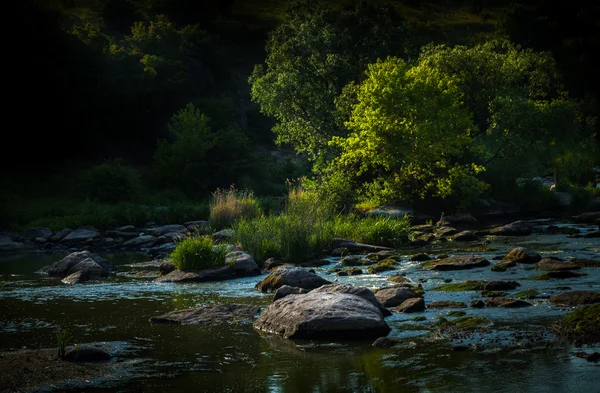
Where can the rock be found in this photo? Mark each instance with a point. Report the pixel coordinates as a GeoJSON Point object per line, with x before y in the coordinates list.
{"type": "Point", "coordinates": [506, 302]}
{"type": "Point", "coordinates": [243, 264]}
{"type": "Point", "coordinates": [575, 298]}
{"type": "Point", "coordinates": [553, 229]}
{"type": "Point", "coordinates": [8, 245]}
{"type": "Point", "coordinates": [398, 279]}
{"type": "Point", "coordinates": [223, 235]}
{"type": "Point", "coordinates": [123, 235]}
{"type": "Point", "coordinates": [159, 231]}
{"type": "Point", "coordinates": [420, 257]}
{"type": "Point", "coordinates": [195, 224]}
{"type": "Point", "coordinates": [522, 255]}
{"type": "Point", "coordinates": [517, 228]}
{"type": "Point", "coordinates": [443, 304]}
{"type": "Point", "coordinates": [384, 342]}
{"type": "Point", "coordinates": [380, 256]}
{"type": "Point", "coordinates": [163, 249]}
{"type": "Point", "coordinates": [457, 263]}
{"type": "Point", "coordinates": [592, 235]}
{"type": "Point", "coordinates": [34, 233]}
{"type": "Point", "coordinates": [62, 267]}
{"type": "Point", "coordinates": [350, 271]}
{"type": "Point", "coordinates": [503, 266]}
{"type": "Point", "coordinates": [87, 354]}
{"type": "Point", "coordinates": [357, 247]}
{"type": "Point", "coordinates": [216, 274]}
{"type": "Point", "coordinates": [590, 217]}
{"type": "Point", "coordinates": [553, 265]}
{"type": "Point", "coordinates": [209, 315]}
{"type": "Point", "coordinates": [394, 296]}
{"type": "Point", "coordinates": [330, 315]}
{"type": "Point", "coordinates": [80, 235]}
{"type": "Point", "coordinates": [128, 228]}
{"type": "Point", "coordinates": [351, 260]}
{"type": "Point", "coordinates": [143, 241]}
{"type": "Point", "coordinates": [90, 268]}
{"type": "Point", "coordinates": [76, 278]}
{"type": "Point", "coordinates": [477, 304]}
{"type": "Point", "coordinates": [58, 236]}
{"type": "Point", "coordinates": [446, 232]}
{"type": "Point", "coordinates": [458, 220]}
{"type": "Point", "coordinates": [415, 304]}
{"type": "Point", "coordinates": [583, 262]}
{"type": "Point", "coordinates": [501, 285]}
{"type": "Point", "coordinates": [285, 290]}
{"type": "Point", "coordinates": [418, 243]}
{"type": "Point", "coordinates": [465, 236]}
{"type": "Point", "coordinates": [272, 263]}
{"type": "Point", "coordinates": [341, 251]}
{"type": "Point", "coordinates": [166, 267]}
{"type": "Point", "coordinates": [292, 276]}
{"type": "Point", "coordinates": [590, 357]}
{"type": "Point", "coordinates": [362, 292]}
{"type": "Point", "coordinates": [399, 212]}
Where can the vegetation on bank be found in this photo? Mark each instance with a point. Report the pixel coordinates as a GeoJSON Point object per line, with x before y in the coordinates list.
{"type": "Point", "coordinates": [198, 253]}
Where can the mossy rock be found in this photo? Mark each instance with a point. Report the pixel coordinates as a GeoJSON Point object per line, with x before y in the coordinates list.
{"type": "Point", "coordinates": [456, 313]}
{"type": "Point", "coordinates": [463, 324]}
{"type": "Point", "coordinates": [581, 326]}
{"type": "Point", "coordinates": [351, 271]}
{"type": "Point", "coordinates": [399, 279]}
{"type": "Point", "coordinates": [385, 265]}
{"type": "Point", "coordinates": [352, 260]}
{"type": "Point", "coordinates": [493, 293]}
{"type": "Point", "coordinates": [527, 294]}
{"type": "Point", "coordinates": [558, 274]}
{"type": "Point", "coordinates": [462, 286]}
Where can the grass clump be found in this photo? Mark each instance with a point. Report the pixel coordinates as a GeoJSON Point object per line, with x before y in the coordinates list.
{"type": "Point", "coordinates": [199, 253]}
{"type": "Point", "coordinates": [229, 206]}
{"type": "Point", "coordinates": [580, 326]}
{"type": "Point", "coordinates": [462, 286]}
{"type": "Point", "coordinates": [527, 294]}
{"type": "Point", "coordinates": [378, 230]}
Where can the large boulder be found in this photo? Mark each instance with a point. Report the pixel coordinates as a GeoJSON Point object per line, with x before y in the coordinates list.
{"type": "Point", "coordinates": [159, 231]}
{"type": "Point", "coordinates": [80, 235]}
{"type": "Point", "coordinates": [36, 233]}
{"type": "Point", "coordinates": [330, 315]}
{"type": "Point", "coordinates": [62, 267]}
{"type": "Point", "coordinates": [363, 292]}
{"type": "Point", "coordinates": [209, 315]}
{"type": "Point", "coordinates": [58, 236]}
{"type": "Point", "coordinates": [414, 304]}
{"type": "Point", "coordinates": [522, 255]}
{"type": "Point", "coordinates": [90, 267]}
{"type": "Point", "coordinates": [243, 264]}
{"type": "Point", "coordinates": [575, 298]}
{"type": "Point", "coordinates": [394, 296]}
{"type": "Point", "coordinates": [292, 276]}
{"type": "Point", "coordinates": [457, 263]}
{"type": "Point", "coordinates": [590, 217]}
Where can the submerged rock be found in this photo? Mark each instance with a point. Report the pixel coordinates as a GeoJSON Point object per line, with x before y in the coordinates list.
{"type": "Point", "coordinates": [37, 233]}
{"type": "Point", "coordinates": [575, 298]}
{"type": "Point", "coordinates": [362, 292]}
{"type": "Point", "coordinates": [329, 315]}
{"type": "Point", "coordinates": [457, 263]}
{"type": "Point", "coordinates": [209, 315]}
{"type": "Point", "coordinates": [553, 265]}
{"type": "Point", "coordinates": [81, 235]}
{"type": "Point", "coordinates": [292, 276]}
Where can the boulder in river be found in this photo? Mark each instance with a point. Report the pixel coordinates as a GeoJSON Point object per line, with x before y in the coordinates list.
{"type": "Point", "coordinates": [89, 267]}
{"type": "Point", "coordinates": [394, 296]}
{"type": "Point", "coordinates": [363, 292]}
{"type": "Point", "coordinates": [575, 298]}
{"type": "Point", "coordinates": [81, 235]}
{"type": "Point", "coordinates": [285, 290]}
{"type": "Point", "coordinates": [214, 274]}
{"type": "Point", "coordinates": [522, 255]}
{"type": "Point", "coordinates": [411, 305]}
{"type": "Point", "coordinates": [292, 276]}
{"type": "Point", "coordinates": [62, 267]}
{"type": "Point", "coordinates": [457, 263]}
{"type": "Point", "coordinates": [36, 233]}
{"type": "Point", "coordinates": [328, 315]}
{"type": "Point", "coordinates": [553, 265]}
{"type": "Point", "coordinates": [506, 302]}
{"type": "Point", "coordinates": [357, 247]}
{"type": "Point", "coordinates": [501, 285]}
{"type": "Point", "coordinates": [444, 304]}
{"type": "Point", "coordinates": [589, 217]}
{"type": "Point", "coordinates": [209, 315]}
{"type": "Point", "coordinates": [517, 228]}
{"type": "Point", "coordinates": [580, 326]}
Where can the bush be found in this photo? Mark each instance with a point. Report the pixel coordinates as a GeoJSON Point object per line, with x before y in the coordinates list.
{"type": "Point", "coordinates": [383, 231]}
{"type": "Point", "coordinates": [110, 182]}
{"type": "Point", "coordinates": [228, 206]}
{"type": "Point", "coordinates": [199, 253]}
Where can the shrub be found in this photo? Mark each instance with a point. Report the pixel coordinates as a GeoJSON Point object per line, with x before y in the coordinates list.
{"type": "Point", "coordinates": [384, 231]}
{"type": "Point", "coordinates": [199, 253]}
{"type": "Point", "coordinates": [110, 182]}
{"type": "Point", "coordinates": [228, 206]}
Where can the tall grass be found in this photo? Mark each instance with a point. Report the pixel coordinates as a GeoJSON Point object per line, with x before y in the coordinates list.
{"type": "Point", "coordinates": [198, 253]}
{"type": "Point", "coordinates": [228, 206]}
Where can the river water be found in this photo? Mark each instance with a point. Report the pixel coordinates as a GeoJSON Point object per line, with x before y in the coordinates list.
{"type": "Point", "coordinates": [236, 358]}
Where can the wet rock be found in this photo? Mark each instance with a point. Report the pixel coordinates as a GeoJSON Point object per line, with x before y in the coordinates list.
{"type": "Point", "coordinates": [380, 256]}
{"type": "Point", "coordinates": [444, 304]}
{"type": "Point", "coordinates": [357, 247]}
{"type": "Point", "coordinates": [209, 315]}
{"type": "Point", "coordinates": [143, 241]}
{"type": "Point", "coordinates": [58, 236]}
{"type": "Point", "coordinates": [503, 266]}
{"type": "Point", "coordinates": [399, 212]}
{"type": "Point", "coordinates": [8, 245]}
{"type": "Point", "coordinates": [420, 257]}
{"type": "Point", "coordinates": [223, 235]}
{"type": "Point", "coordinates": [506, 302]}
{"type": "Point", "coordinates": [382, 266]}
{"type": "Point", "coordinates": [122, 235]}
{"type": "Point", "coordinates": [477, 304]}
{"type": "Point", "coordinates": [522, 255]}
{"type": "Point", "coordinates": [292, 276]}
{"type": "Point", "coordinates": [87, 354]}
{"type": "Point", "coordinates": [457, 263]}
{"type": "Point", "coordinates": [411, 305]}
{"type": "Point", "coordinates": [385, 342]}
{"type": "Point", "coordinates": [394, 296]}
{"type": "Point", "coordinates": [465, 236]}
{"type": "Point", "coordinates": [362, 292]}
{"type": "Point", "coordinates": [272, 263]}
{"type": "Point", "coordinates": [351, 260]}
{"type": "Point", "coordinates": [553, 229]}
{"type": "Point", "coordinates": [285, 290]}
{"type": "Point", "coordinates": [501, 285]}
{"type": "Point", "coordinates": [89, 267]}
{"type": "Point", "coordinates": [338, 252]}
{"type": "Point", "coordinates": [351, 271]}
{"type": "Point", "coordinates": [583, 262]}
{"type": "Point", "coordinates": [553, 265]}
{"type": "Point", "coordinates": [81, 235]}
{"type": "Point", "coordinates": [159, 231]}
{"type": "Point", "coordinates": [589, 217]}
{"type": "Point", "coordinates": [590, 357]}
{"type": "Point", "coordinates": [580, 326]}
{"type": "Point", "coordinates": [398, 279]}
{"type": "Point", "coordinates": [563, 274]}
{"type": "Point", "coordinates": [62, 267]}
{"type": "Point", "coordinates": [446, 232]}
{"type": "Point", "coordinates": [517, 228]}
{"type": "Point", "coordinates": [575, 298]}
{"type": "Point", "coordinates": [75, 278]}
{"type": "Point", "coordinates": [331, 315]}
{"type": "Point", "coordinates": [243, 264]}
{"type": "Point", "coordinates": [216, 274]}
{"type": "Point", "coordinates": [34, 233]}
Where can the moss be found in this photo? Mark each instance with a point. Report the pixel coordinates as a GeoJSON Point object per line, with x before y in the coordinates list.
{"type": "Point", "coordinates": [386, 264]}
{"type": "Point", "coordinates": [527, 294]}
{"type": "Point", "coordinates": [462, 286]}
{"type": "Point", "coordinates": [456, 313]}
{"type": "Point", "coordinates": [270, 283]}
{"type": "Point", "coordinates": [580, 326]}
{"type": "Point", "coordinates": [419, 318]}
{"type": "Point", "coordinates": [399, 279]}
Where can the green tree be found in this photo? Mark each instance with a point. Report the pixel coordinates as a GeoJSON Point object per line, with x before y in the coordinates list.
{"type": "Point", "coordinates": [311, 56]}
